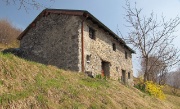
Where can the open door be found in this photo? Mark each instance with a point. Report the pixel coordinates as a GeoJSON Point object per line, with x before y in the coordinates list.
{"type": "Point", "coordinates": [105, 69]}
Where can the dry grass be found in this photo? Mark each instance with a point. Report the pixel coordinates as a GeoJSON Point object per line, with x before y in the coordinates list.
{"type": "Point", "coordinates": [168, 90]}
{"type": "Point", "coordinates": [14, 44]}
{"type": "Point", "coordinates": [172, 98]}
{"type": "Point", "coordinates": [25, 84]}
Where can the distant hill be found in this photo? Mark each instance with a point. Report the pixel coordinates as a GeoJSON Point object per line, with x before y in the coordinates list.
{"type": "Point", "coordinates": [30, 85]}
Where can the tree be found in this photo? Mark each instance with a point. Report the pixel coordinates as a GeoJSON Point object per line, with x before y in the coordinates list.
{"type": "Point", "coordinates": [152, 38]}
{"type": "Point", "coordinates": [157, 69]}
{"type": "Point", "coordinates": [8, 33]}
{"type": "Point", "coordinates": [174, 80]}
{"type": "Point", "coordinates": [25, 3]}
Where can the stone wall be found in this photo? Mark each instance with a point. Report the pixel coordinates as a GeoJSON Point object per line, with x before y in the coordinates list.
{"type": "Point", "coordinates": [54, 40]}
{"type": "Point", "coordinates": [101, 49]}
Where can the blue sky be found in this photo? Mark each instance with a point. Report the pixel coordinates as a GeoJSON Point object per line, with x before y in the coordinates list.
{"type": "Point", "coordinates": [109, 12]}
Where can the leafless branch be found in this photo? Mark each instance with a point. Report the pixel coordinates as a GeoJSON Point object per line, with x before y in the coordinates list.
{"type": "Point", "coordinates": [25, 4]}
{"type": "Point", "coordinates": [152, 38]}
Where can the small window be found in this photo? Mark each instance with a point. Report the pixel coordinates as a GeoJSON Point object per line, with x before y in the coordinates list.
{"type": "Point", "coordinates": [126, 55]}
{"type": "Point", "coordinates": [91, 33]}
{"type": "Point", "coordinates": [129, 75]}
{"type": "Point", "coordinates": [114, 46]}
{"type": "Point", "coordinates": [117, 69]}
{"type": "Point", "coordinates": [88, 58]}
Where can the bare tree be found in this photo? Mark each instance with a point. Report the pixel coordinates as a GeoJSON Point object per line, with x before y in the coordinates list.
{"type": "Point", "coordinates": [157, 69]}
{"type": "Point", "coordinates": [25, 3]}
{"type": "Point", "coordinates": [140, 73]}
{"type": "Point", "coordinates": [174, 80]}
{"type": "Point", "coordinates": [8, 33]}
{"type": "Point", "coordinates": [152, 38]}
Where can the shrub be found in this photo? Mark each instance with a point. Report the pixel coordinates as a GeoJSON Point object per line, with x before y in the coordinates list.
{"type": "Point", "coordinates": [154, 90]}
{"type": "Point", "coordinates": [98, 76]}
{"type": "Point", "coordinates": [151, 88]}
{"type": "Point", "coordinates": [140, 85]}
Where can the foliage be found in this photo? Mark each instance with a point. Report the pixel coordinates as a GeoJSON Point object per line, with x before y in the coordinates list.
{"type": "Point", "coordinates": [154, 89]}
{"type": "Point", "coordinates": [151, 88]}
{"type": "Point", "coordinates": [98, 76]}
{"type": "Point", "coordinates": [140, 85]}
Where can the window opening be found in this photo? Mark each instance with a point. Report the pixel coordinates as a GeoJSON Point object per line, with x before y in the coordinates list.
{"type": "Point", "coordinates": [88, 58]}
{"type": "Point", "coordinates": [114, 46]}
{"type": "Point", "coordinates": [91, 33]}
{"type": "Point", "coordinates": [123, 77]}
{"type": "Point", "coordinates": [129, 75]}
{"type": "Point", "coordinates": [126, 55]}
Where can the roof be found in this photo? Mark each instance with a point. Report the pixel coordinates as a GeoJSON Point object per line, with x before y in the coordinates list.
{"type": "Point", "coordinates": [83, 13]}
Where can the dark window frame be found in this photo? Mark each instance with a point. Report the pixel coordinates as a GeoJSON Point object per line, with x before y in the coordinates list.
{"type": "Point", "coordinates": [114, 46]}
{"type": "Point", "coordinates": [92, 33]}
{"type": "Point", "coordinates": [129, 75]}
{"type": "Point", "coordinates": [126, 57]}
{"type": "Point", "coordinates": [88, 58]}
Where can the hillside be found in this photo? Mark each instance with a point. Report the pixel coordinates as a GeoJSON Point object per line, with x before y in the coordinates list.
{"type": "Point", "coordinates": [25, 84]}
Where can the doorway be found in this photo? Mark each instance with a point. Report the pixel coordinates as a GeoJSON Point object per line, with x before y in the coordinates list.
{"type": "Point", "coordinates": [123, 77]}
{"type": "Point", "coordinates": [105, 69]}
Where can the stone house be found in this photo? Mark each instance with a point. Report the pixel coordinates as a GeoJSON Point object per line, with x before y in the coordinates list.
{"type": "Point", "coordinates": [76, 40]}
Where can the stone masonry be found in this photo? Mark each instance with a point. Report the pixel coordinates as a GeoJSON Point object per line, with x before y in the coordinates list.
{"type": "Point", "coordinates": [53, 41]}
{"type": "Point", "coordinates": [54, 38]}
{"type": "Point", "coordinates": [101, 49]}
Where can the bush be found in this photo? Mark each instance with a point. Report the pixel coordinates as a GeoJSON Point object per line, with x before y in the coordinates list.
{"type": "Point", "coordinates": [154, 90]}
{"type": "Point", "coordinates": [99, 76]}
{"type": "Point", "coordinates": [140, 85]}
{"type": "Point", "coordinates": [151, 88]}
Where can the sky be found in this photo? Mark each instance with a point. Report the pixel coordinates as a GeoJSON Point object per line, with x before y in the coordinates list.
{"type": "Point", "coordinates": [109, 12]}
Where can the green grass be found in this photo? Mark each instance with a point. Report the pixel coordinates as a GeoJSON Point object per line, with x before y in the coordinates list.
{"type": "Point", "coordinates": [96, 83]}
{"type": "Point", "coordinates": [26, 84]}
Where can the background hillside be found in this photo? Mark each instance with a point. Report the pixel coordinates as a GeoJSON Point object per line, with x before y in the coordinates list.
{"type": "Point", "coordinates": [25, 84]}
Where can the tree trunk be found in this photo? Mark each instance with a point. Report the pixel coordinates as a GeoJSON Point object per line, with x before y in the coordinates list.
{"type": "Point", "coordinates": [146, 75]}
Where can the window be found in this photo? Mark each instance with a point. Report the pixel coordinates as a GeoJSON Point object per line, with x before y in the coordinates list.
{"type": "Point", "coordinates": [114, 46]}
{"type": "Point", "coordinates": [91, 33]}
{"type": "Point", "coordinates": [117, 69]}
{"type": "Point", "coordinates": [126, 55]}
{"type": "Point", "coordinates": [129, 75]}
{"type": "Point", "coordinates": [88, 58]}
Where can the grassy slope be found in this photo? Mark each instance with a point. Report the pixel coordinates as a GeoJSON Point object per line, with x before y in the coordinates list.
{"type": "Point", "coordinates": [175, 100]}
{"type": "Point", "coordinates": [25, 84]}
